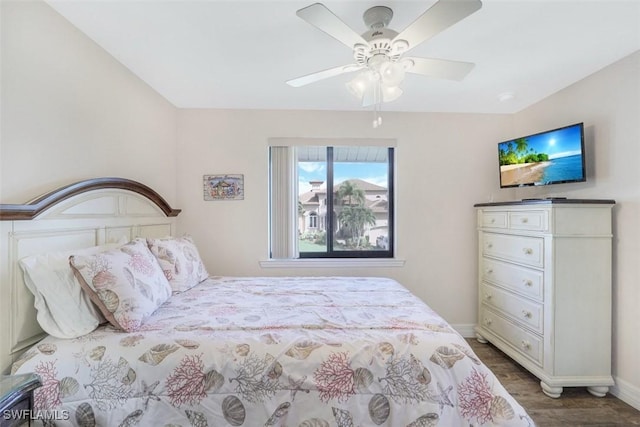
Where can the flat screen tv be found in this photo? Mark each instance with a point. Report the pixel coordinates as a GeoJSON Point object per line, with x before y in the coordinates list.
{"type": "Point", "coordinates": [552, 157]}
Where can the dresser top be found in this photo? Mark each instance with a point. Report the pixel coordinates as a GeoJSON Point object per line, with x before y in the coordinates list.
{"type": "Point", "coordinates": [549, 201]}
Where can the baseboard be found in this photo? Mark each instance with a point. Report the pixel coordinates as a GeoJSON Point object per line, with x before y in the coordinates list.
{"type": "Point", "coordinates": [466, 331]}
{"type": "Point", "coordinates": [626, 392]}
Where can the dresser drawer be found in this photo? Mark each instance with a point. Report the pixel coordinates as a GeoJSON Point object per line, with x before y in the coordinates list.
{"type": "Point", "coordinates": [493, 219]}
{"type": "Point", "coordinates": [523, 280]}
{"type": "Point", "coordinates": [522, 249]}
{"type": "Point", "coordinates": [525, 342]}
{"type": "Point", "coordinates": [529, 220]}
{"type": "Point", "coordinates": [518, 308]}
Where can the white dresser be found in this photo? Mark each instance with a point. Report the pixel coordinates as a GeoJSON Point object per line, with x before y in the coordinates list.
{"type": "Point", "coordinates": [545, 289]}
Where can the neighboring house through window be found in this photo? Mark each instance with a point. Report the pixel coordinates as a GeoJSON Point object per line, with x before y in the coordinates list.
{"type": "Point", "coordinates": [331, 200]}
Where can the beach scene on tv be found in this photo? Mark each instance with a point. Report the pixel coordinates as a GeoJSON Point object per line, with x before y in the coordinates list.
{"type": "Point", "coordinates": [544, 158]}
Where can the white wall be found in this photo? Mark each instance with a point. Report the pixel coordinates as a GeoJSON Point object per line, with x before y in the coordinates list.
{"type": "Point", "coordinates": [608, 102]}
{"type": "Point", "coordinates": [70, 111]}
{"type": "Point", "coordinates": [445, 164]}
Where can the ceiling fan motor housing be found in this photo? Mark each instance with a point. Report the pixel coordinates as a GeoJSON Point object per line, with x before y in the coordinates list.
{"type": "Point", "coordinates": [380, 42]}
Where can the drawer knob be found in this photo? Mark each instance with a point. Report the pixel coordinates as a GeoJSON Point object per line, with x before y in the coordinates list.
{"type": "Point", "coordinates": [489, 245]}
{"type": "Point", "coordinates": [493, 220]}
{"type": "Point", "coordinates": [488, 322]}
{"type": "Point", "coordinates": [527, 251]}
{"type": "Point", "coordinates": [489, 271]}
{"type": "Point", "coordinates": [524, 220]}
{"type": "Point", "coordinates": [526, 314]}
{"type": "Point", "coordinates": [528, 282]}
{"type": "Point", "coordinates": [526, 345]}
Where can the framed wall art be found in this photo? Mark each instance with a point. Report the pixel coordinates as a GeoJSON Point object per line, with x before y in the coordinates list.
{"type": "Point", "coordinates": [223, 187]}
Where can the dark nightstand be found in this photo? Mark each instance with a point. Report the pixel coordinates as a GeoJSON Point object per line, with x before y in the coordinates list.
{"type": "Point", "coordinates": [16, 398]}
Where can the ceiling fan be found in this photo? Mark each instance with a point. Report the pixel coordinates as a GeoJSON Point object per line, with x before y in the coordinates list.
{"type": "Point", "coordinates": [380, 51]}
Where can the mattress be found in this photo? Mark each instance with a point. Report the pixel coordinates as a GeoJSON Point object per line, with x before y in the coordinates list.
{"type": "Point", "coordinates": [274, 351]}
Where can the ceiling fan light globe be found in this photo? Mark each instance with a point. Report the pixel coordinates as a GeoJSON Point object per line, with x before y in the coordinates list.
{"type": "Point", "coordinates": [391, 93]}
{"type": "Point", "coordinates": [359, 85]}
{"type": "Point", "coordinates": [392, 73]}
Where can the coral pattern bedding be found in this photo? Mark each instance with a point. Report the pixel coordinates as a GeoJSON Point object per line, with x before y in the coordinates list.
{"type": "Point", "coordinates": [297, 352]}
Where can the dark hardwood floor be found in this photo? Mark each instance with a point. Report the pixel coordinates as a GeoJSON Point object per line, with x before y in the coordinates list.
{"type": "Point", "coordinates": [576, 407]}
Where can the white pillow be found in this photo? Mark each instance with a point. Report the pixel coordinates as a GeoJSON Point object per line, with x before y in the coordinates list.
{"type": "Point", "coordinates": [64, 310]}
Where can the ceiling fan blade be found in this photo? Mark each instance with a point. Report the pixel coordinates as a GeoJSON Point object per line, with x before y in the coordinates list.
{"type": "Point", "coordinates": [438, 68]}
{"type": "Point", "coordinates": [319, 16]}
{"type": "Point", "coordinates": [324, 74]}
{"type": "Point", "coordinates": [437, 18]}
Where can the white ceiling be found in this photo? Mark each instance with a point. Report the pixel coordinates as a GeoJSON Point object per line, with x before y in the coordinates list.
{"type": "Point", "coordinates": [238, 54]}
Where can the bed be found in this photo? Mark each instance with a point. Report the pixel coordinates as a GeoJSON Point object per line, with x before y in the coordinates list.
{"type": "Point", "coordinates": [231, 351]}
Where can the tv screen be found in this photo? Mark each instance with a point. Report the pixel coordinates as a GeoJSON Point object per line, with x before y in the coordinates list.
{"type": "Point", "coordinates": [552, 157]}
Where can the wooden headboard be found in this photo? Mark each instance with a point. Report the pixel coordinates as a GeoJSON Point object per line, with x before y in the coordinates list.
{"type": "Point", "coordinates": [83, 214]}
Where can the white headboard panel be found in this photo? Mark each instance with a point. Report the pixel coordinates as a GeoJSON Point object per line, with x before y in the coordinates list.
{"type": "Point", "coordinates": [81, 215]}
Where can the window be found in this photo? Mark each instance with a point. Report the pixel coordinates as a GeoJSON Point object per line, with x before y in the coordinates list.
{"type": "Point", "coordinates": [344, 199]}
{"type": "Point", "coordinates": [313, 220]}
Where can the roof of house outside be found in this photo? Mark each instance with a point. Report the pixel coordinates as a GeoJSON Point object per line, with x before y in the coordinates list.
{"type": "Point", "coordinates": [312, 195]}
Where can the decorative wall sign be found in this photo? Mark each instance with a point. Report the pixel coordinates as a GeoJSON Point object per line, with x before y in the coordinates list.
{"type": "Point", "coordinates": [223, 187]}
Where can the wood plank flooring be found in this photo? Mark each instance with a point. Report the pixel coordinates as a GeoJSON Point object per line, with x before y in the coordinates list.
{"type": "Point", "coordinates": [576, 407]}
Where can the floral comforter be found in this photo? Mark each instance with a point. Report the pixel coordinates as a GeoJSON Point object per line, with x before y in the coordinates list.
{"type": "Point", "coordinates": [297, 352]}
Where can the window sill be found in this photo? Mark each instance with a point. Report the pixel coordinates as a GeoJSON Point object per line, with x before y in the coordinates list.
{"type": "Point", "coordinates": [332, 263]}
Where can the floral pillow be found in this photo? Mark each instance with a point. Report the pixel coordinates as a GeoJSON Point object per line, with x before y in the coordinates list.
{"type": "Point", "coordinates": [180, 261]}
{"type": "Point", "coordinates": [126, 283]}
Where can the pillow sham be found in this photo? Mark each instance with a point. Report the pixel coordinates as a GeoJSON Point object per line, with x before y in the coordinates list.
{"type": "Point", "coordinates": [126, 283]}
{"type": "Point", "coordinates": [180, 261]}
{"type": "Point", "coordinates": [63, 309]}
